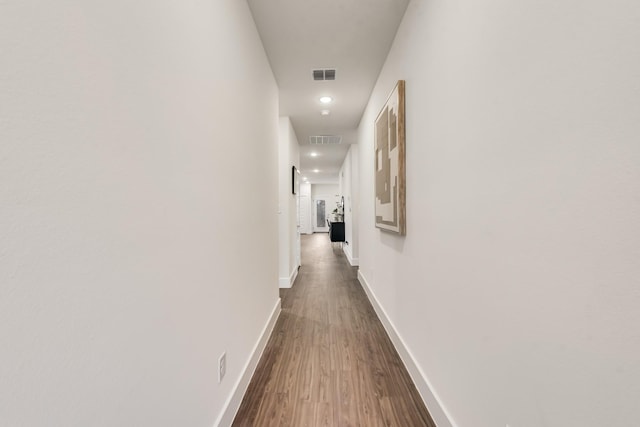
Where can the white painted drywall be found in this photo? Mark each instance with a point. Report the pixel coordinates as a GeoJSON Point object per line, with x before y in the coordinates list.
{"type": "Point", "coordinates": [353, 205]}
{"type": "Point", "coordinates": [348, 187]}
{"type": "Point", "coordinates": [326, 190]}
{"type": "Point", "coordinates": [133, 196]}
{"type": "Point", "coordinates": [517, 286]}
{"type": "Point", "coordinates": [289, 156]}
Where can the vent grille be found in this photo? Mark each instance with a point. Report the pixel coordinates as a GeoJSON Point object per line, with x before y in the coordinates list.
{"type": "Point", "coordinates": [325, 139]}
{"type": "Point", "coordinates": [324, 74]}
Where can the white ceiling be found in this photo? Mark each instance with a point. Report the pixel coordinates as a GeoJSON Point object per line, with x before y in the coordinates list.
{"type": "Point", "coordinates": [352, 36]}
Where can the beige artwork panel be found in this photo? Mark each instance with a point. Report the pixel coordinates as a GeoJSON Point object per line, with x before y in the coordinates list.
{"type": "Point", "coordinates": [390, 191]}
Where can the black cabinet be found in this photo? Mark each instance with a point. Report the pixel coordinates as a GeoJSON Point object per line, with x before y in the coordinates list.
{"type": "Point", "coordinates": [336, 231]}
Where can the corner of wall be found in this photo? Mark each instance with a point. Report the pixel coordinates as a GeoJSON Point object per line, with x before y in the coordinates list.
{"type": "Point", "coordinates": [235, 399]}
{"type": "Point", "coordinates": [436, 409]}
{"type": "Point", "coordinates": [287, 282]}
{"type": "Point", "coordinates": [347, 251]}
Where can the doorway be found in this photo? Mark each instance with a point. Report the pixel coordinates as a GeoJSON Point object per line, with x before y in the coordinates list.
{"type": "Point", "coordinates": [305, 214]}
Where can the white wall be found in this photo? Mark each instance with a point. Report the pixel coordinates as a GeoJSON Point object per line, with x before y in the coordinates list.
{"type": "Point", "coordinates": [326, 190]}
{"type": "Point", "coordinates": [289, 156]}
{"type": "Point", "coordinates": [517, 286]}
{"type": "Point", "coordinates": [349, 189]}
{"type": "Point", "coordinates": [133, 195]}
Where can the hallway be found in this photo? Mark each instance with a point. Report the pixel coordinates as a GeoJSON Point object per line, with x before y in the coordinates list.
{"type": "Point", "coordinates": [151, 154]}
{"type": "Point", "coordinates": [329, 361]}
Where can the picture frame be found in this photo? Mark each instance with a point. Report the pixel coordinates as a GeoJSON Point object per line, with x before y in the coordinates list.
{"type": "Point", "coordinates": [295, 180]}
{"type": "Point", "coordinates": [390, 163]}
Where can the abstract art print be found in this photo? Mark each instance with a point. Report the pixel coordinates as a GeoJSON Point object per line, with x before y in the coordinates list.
{"type": "Point", "coordinates": [390, 209]}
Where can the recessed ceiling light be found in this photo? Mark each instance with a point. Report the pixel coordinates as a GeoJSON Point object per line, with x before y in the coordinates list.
{"type": "Point", "coordinates": [314, 154]}
{"type": "Point", "coordinates": [325, 112]}
{"type": "Point", "coordinates": [326, 99]}
{"type": "Point", "coordinates": [316, 170]}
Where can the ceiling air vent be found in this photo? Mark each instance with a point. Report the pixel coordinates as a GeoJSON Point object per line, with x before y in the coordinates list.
{"type": "Point", "coordinates": [325, 139]}
{"type": "Point", "coordinates": [324, 74]}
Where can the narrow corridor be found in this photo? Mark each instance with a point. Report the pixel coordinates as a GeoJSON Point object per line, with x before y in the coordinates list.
{"type": "Point", "coordinates": [329, 361]}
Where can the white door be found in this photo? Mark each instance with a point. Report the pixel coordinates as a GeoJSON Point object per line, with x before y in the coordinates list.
{"type": "Point", "coordinates": [305, 214]}
{"type": "Point", "coordinates": [320, 215]}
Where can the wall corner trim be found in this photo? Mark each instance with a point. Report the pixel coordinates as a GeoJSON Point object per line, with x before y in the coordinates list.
{"type": "Point", "coordinates": [287, 282]}
{"type": "Point", "coordinates": [437, 410]}
{"type": "Point", "coordinates": [347, 251]}
{"type": "Point", "coordinates": [232, 404]}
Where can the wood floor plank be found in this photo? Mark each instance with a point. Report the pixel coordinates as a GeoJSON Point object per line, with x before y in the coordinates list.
{"type": "Point", "coordinates": [329, 361]}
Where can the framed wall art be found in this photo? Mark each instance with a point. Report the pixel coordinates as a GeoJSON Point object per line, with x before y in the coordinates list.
{"type": "Point", "coordinates": [295, 180]}
{"type": "Point", "coordinates": [389, 148]}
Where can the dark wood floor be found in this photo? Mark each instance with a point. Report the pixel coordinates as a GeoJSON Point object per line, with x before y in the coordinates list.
{"type": "Point", "coordinates": [329, 361]}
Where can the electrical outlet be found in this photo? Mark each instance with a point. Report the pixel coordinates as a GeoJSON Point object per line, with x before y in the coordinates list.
{"type": "Point", "coordinates": [222, 366]}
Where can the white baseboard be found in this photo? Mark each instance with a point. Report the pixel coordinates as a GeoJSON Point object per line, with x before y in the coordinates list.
{"type": "Point", "coordinates": [440, 415]}
{"type": "Point", "coordinates": [233, 402]}
{"type": "Point", "coordinates": [347, 251]}
{"type": "Point", "coordinates": [287, 282]}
